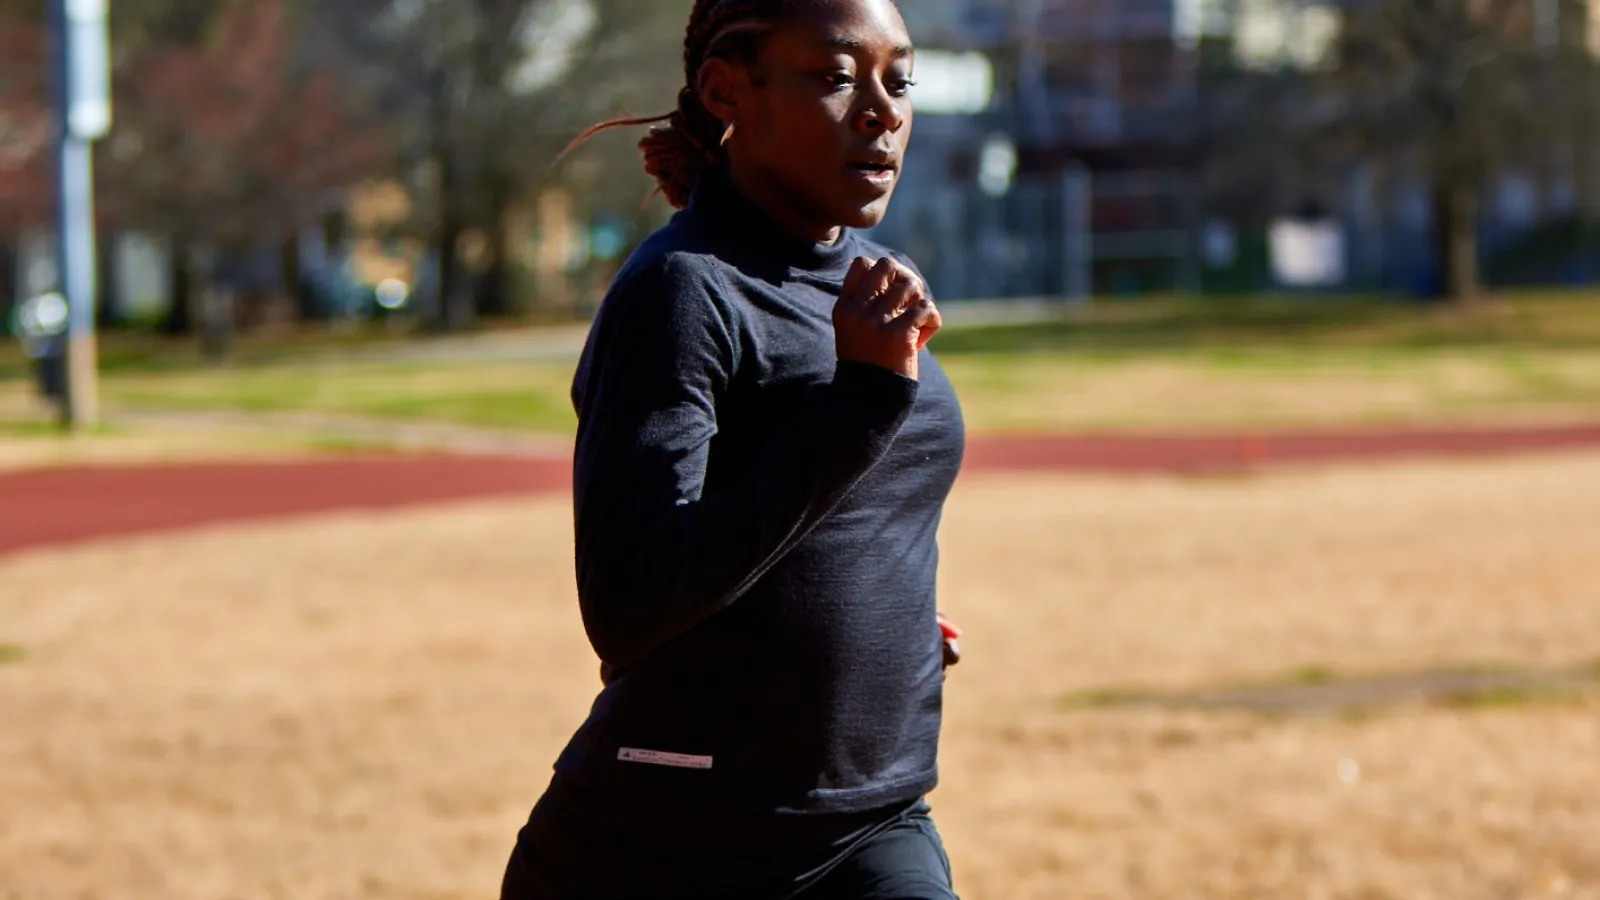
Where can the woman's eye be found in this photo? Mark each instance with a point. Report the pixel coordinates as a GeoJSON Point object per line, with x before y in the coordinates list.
{"type": "Point", "coordinates": [898, 87]}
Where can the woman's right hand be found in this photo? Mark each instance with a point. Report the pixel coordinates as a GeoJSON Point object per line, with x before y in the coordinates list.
{"type": "Point", "coordinates": [884, 316]}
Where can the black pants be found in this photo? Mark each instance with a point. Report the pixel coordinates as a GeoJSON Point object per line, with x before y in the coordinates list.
{"type": "Point", "coordinates": [575, 850]}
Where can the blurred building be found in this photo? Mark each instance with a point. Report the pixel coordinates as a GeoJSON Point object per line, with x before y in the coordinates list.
{"type": "Point", "coordinates": [1058, 151]}
{"type": "Point", "coordinates": [1077, 174]}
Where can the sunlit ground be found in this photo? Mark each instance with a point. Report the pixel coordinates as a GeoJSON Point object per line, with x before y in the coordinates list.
{"type": "Point", "coordinates": [365, 706]}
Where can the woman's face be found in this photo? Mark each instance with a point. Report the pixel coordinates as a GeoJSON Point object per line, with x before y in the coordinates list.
{"type": "Point", "coordinates": [822, 117]}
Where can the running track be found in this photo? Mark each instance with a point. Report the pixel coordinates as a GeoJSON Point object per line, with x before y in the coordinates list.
{"type": "Point", "coordinates": [69, 505]}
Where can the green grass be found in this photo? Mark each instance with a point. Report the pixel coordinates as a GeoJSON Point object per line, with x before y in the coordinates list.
{"type": "Point", "coordinates": [525, 396]}
{"type": "Point", "coordinates": [1252, 328]}
{"type": "Point", "coordinates": [1510, 697]}
{"type": "Point", "coordinates": [1452, 689]}
{"type": "Point", "coordinates": [540, 410]}
{"type": "Point", "coordinates": [1158, 364]}
{"type": "Point", "coordinates": [1311, 675]}
{"type": "Point", "coordinates": [1108, 698]}
{"type": "Point", "coordinates": [29, 428]}
{"type": "Point", "coordinates": [49, 428]}
{"type": "Point", "coordinates": [1263, 362]}
{"type": "Point", "coordinates": [338, 446]}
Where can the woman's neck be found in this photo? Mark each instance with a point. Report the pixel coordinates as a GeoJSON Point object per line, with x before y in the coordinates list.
{"type": "Point", "coordinates": [772, 203]}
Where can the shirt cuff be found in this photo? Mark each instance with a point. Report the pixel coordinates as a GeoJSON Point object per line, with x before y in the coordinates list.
{"type": "Point", "coordinates": [876, 390]}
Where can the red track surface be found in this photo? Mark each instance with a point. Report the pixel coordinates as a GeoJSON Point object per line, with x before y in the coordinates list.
{"type": "Point", "coordinates": [57, 506]}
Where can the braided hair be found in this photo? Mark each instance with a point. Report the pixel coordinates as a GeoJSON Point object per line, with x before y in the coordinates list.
{"type": "Point", "coordinates": [686, 143]}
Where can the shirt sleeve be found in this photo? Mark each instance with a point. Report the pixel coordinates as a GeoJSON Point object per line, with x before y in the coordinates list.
{"type": "Point", "coordinates": [656, 551]}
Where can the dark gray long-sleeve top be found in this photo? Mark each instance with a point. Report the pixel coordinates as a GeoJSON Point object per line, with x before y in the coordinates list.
{"type": "Point", "coordinates": [756, 529]}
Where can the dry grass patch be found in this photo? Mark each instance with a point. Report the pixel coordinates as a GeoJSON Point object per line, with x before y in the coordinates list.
{"type": "Point", "coordinates": [1453, 805]}
{"type": "Point", "coordinates": [356, 706]}
{"type": "Point", "coordinates": [1174, 582]}
{"type": "Point", "coordinates": [360, 706]}
{"type": "Point", "coordinates": [161, 446]}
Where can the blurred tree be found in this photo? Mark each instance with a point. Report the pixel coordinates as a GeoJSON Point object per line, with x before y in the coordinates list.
{"type": "Point", "coordinates": [26, 133]}
{"type": "Point", "coordinates": [1452, 92]}
{"type": "Point", "coordinates": [481, 96]}
{"type": "Point", "coordinates": [1468, 89]}
{"type": "Point", "coordinates": [29, 12]}
{"type": "Point", "coordinates": [167, 22]}
{"type": "Point", "coordinates": [239, 121]}
{"type": "Point", "coordinates": [219, 142]}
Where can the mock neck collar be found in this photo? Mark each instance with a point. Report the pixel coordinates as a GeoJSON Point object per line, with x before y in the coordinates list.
{"type": "Point", "coordinates": [720, 203]}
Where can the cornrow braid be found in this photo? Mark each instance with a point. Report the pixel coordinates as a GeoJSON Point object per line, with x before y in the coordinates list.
{"type": "Point", "coordinates": [686, 143]}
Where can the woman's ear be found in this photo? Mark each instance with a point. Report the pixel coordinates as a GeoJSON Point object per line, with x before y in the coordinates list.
{"type": "Point", "coordinates": [719, 85]}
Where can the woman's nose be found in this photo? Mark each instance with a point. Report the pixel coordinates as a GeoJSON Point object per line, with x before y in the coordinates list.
{"type": "Point", "coordinates": [880, 113]}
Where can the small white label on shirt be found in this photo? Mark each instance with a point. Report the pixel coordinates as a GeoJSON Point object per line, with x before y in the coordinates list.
{"type": "Point", "coordinates": [657, 758]}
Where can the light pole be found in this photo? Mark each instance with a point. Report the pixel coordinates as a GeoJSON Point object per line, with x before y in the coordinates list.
{"type": "Point", "coordinates": [83, 104]}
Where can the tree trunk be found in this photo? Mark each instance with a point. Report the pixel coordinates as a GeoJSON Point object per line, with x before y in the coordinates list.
{"type": "Point", "coordinates": [108, 300]}
{"type": "Point", "coordinates": [1455, 233]}
{"type": "Point", "coordinates": [451, 311]}
{"type": "Point", "coordinates": [446, 314]}
{"type": "Point", "coordinates": [292, 274]}
{"type": "Point", "coordinates": [216, 299]}
{"type": "Point", "coordinates": [496, 296]}
{"type": "Point", "coordinates": [1586, 179]}
{"type": "Point", "coordinates": [8, 280]}
{"type": "Point", "coordinates": [178, 321]}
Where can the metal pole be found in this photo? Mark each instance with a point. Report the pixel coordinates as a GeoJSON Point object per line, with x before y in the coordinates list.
{"type": "Point", "coordinates": [83, 114]}
{"type": "Point", "coordinates": [77, 242]}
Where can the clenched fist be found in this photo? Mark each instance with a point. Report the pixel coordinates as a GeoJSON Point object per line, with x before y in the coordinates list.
{"type": "Point", "coordinates": [884, 316]}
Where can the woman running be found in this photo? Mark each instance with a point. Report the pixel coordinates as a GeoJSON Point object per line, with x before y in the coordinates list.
{"type": "Point", "coordinates": [763, 456]}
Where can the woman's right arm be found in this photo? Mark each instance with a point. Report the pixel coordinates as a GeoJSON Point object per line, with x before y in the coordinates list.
{"type": "Point", "coordinates": [657, 552]}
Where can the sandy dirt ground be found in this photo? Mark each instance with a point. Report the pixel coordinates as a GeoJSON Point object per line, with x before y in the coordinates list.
{"type": "Point", "coordinates": [364, 706]}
